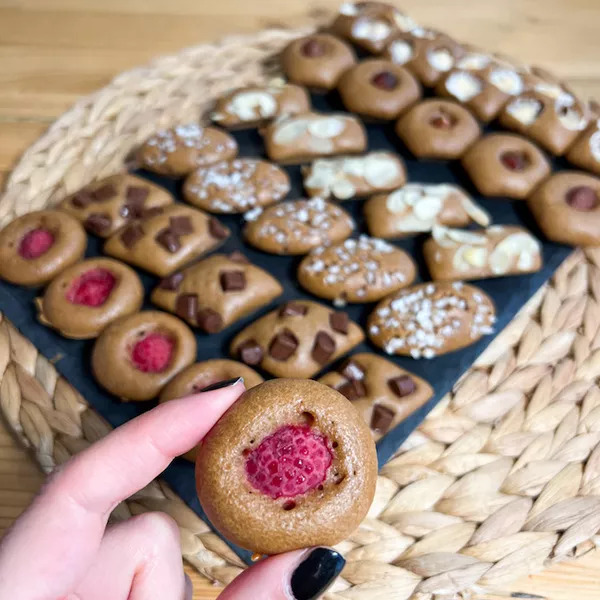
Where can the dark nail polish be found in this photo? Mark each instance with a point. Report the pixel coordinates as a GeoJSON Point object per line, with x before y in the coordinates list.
{"type": "Point", "coordinates": [316, 573]}
{"type": "Point", "coordinates": [221, 384]}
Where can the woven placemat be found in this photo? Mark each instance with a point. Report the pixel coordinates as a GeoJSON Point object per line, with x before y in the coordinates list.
{"type": "Point", "coordinates": [500, 480]}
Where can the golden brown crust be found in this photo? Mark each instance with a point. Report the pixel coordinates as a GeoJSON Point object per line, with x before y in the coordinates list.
{"type": "Point", "coordinates": [585, 152]}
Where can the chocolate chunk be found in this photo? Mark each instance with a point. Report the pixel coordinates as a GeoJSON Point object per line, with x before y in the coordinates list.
{"type": "Point", "coordinates": [293, 309]}
{"type": "Point", "coordinates": [232, 281]}
{"type": "Point", "coordinates": [98, 223]}
{"type": "Point", "coordinates": [339, 322]}
{"type": "Point", "coordinates": [152, 212]}
{"type": "Point", "coordinates": [323, 348]}
{"type": "Point", "coordinates": [181, 225]}
{"type": "Point", "coordinates": [442, 120]}
{"type": "Point", "coordinates": [382, 418]}
{"type": "Point", "coordinates": [385, 80]}
{"type": "Point", "coordinates": [137, 194]}
{"type": "Point", "coordinates": [313, 48]}
{"type": "Point", "coordinates": [106, 192]}
{"type": "Point", "coordinates": [583, 198]}
{"type": "Point", "coordinates": [403, 385]}
{"type": "Point", "coordinates": [514, 160]}
{"type": "Point", "coordinates": [168, 240]}
{"type": "Point", "coordinates": [250, 352]}
{"type": "Point", "coordinates": [216, 229]}
{"type": "Point", "coordinates": [82, 199]}
{"type": "Point", "coordinates": [209, 320]}
{"type": "Point", "coordinates": [283, 345]}
{"type": "Point", "coordinates": [353, 389]}
{"type": "Point", "coordinates": [133, 209]}
{"type": "Point", "coordinates": [172, 282]}
{"type": "Point", "coordinates": [351, 370]}
{"type": "Point", "coordinates": [131, 235]}
{"type": "Point", "coordinates": [186, 306]}
{"type": "Point", "coordinates": [238, 257]}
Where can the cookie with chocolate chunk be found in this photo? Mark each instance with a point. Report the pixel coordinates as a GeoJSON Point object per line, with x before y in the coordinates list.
{"type": "Point", "coordinates": [107, 205]}
{"type": "Point", "coordinates": [296, 340]}
{"type": "Point", "coordinates": [383, 393]}
{"type": "Point", "coordinates": [217, 291]}
{"type": "Point", "coordinates": [165, 242]}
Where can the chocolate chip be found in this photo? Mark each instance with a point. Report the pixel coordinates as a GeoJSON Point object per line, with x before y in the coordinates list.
{"type": "Point", "coordinates": [382, 418]}
{"type": "Point", "coordinates": [98, 223]}
{"type": "Point", "coordinates": [106, 192]}
{"type": "Point", "coordinates": [209, 320]}
{"type": "Point", "coordinates": [385, 80]}
{"type": "Point", "coordinates": [403, 385]}
{"type": "Point", "coordinates": [514, 160]}
{"type": "Point", "coordinates": [353, 389]}
{"type": "Point", "coordinates": [133, 209]}
{"type": "Point", "coordinates": [136, 193]}
{"type": "Point", "coordinates": [442, 120]}
{"type": "Point", "coordinates": [186, 306]}
{"type": "Point", "coordinates": [283, 345]}
{"type": "Point", "coordinates": [293, 309]}
{"type": "Point", "coordinates": [152, 212]}
{"type": "Point", "coordinates": [339, 322]}
{"type": "Point", "coordinates": [181, 225]}
{"type": "Point", "coordinates": [583, 198]}
{"type": "Point", "coordinates": [232, 281]}
{"type": "Point", "coordinates": [250, 352]}
{"type": "Point", "coordinates": [82, 199]}
{"type": "Point", "coordinates": [238, 257]}
{"type": "Point", "coordinates": [323, 348]}
{"type": "Point", "coordinates": [131, 235]}
{"type": "Point", "coordinates": [313, 48]}
{"type": "Point", "coordinates": [216, 229]}
{"type": "Point", "coordinates": [172, 282]}
{"type": "Point", "coordinates": [168, 240]}
{"type": "Point", "coordinates": [351, 370]}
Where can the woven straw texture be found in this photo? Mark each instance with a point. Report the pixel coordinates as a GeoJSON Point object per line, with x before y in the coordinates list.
{"type": "Point", "coordinates": [501, 479]}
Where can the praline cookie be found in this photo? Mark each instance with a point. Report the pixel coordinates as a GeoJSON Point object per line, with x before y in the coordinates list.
{"type": "Point", "coordinates": [291, 464]}
{"type": "Point", "coordinates": [354, 176]}
{"type": "Point", "coordinates": [585, 152]}
{"type": "Point", "coordinates": [363, 270]}
{"type": "Point", "coordinates": [296, 340]}
{"type": "Point", "coordinates": [236, 186]}
{"type": "Point", "coordinates": [301, 138]}
{"type": "Point", "coordinates": [107, 205]}
{"type": "Point", "coordinates": [503, 164]}
{"type": "Point", "coordinates": [500, 250]}
{"type": "Point", "coordinates": [417, 208]}
{"type": "Point", "coordinates": [382, 392]}
{"type": "Point", "coordinates": [180, 150]}
{"type": "Point", "coordinates": [217, 291]}
{"type": "Point", "coordinates": [438, 128]}
{"type": "Point", "coordinates": [167, 241]}
{"type": "Point", "coordinates": [317, 60]}
{"type": "Point", "coordinates": [135, 356]}
{"type": "Point", "coordinates": [431, 319]}
{"type": "Point", "coordinates": [84, 298]}
{"type": "Point", "coordinates": [297, 226]}
{"type": "Point", "coordinates": [36, 247]}
{"type": "Point", "coordinates": [567, 208]}
{"type": "Point", "coordinates": [254, 105]}
{"type": "Point", "coordinates": [378, 89]}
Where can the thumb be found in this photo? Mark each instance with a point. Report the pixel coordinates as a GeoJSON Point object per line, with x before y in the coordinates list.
{"type": "Point", "coordinates": [299, 575]}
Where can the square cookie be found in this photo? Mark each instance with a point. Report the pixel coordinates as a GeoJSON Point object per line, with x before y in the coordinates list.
{"type": "Point", "coordinates": [217, 291]}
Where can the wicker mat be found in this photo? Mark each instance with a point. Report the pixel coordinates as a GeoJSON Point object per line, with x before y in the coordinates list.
{"type": "Point", "coordinates": [501, 479]}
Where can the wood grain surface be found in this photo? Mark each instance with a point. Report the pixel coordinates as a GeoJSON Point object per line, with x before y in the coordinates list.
{"type": "Point", "coordinates": [54, 51]}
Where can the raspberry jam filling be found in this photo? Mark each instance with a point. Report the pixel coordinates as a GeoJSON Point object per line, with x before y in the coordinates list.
{"type": "Point", "coordinates": [35, 243]}
{"type": "Point", "coordinates": [92, 288]}
{"type": "Point", "coordinates": [290, 462]}
{"type": "Point", "coordinates": [152, 353]}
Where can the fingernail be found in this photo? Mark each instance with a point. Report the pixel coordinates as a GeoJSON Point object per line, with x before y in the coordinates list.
{"type": "Point", "coordinates": [189, 588]}
{"type": "Point", "coordinates": [222, 384]}
{"type": "Point", "coordinates": [316, 573]}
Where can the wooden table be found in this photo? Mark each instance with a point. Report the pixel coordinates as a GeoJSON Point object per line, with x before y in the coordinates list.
{"type": "Point", "coordinates": [54, 51]}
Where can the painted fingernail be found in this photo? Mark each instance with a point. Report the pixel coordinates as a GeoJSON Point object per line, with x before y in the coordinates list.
{"type": "Point", "coordinates": [316, 573]}
{"type": "Point", "coordinates": [189, 588]}
{"type": "Point", "coordinates": [222, 384]}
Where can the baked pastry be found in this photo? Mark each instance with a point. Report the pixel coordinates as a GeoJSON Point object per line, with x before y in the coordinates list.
{"type": "Point", "coordinates": [382, 392]}
{"type": "Point", "coordinates": [430, 319]}
{"type": "Point", "coordinates": [363, 270]}
{"type": "Point", "coordinates": [135, 356]}
{"type": "Point", "coordinates": [84, 298]}
{"type": "Point", "coordinates": [585, 152]}
{"type": "Point", "coordinates": [296, 340]}
{"type": "Point", "coordinates": [217, 291]}
{"type": "Point", "coordinates": [107, 205]}
{"type": "Point", "coordinates": [291, 464]}
{"type": "Point", "coordinates": [37, 246]}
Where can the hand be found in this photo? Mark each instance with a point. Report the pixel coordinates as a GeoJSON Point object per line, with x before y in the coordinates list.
{"type": "Point", "coordinates": [62, 549]}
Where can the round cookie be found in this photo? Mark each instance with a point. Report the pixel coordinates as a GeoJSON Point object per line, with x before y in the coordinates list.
{"type": "Point", "coordinates": [378, 89]}
{"type": "Point", "coordinates": [236, 186]}
{"type": "Point", "coordinates": [135, 356]}
{"type": "Point", "coordinates": [259, 499]}
{"type": "Point", "coordinates": [363, 270]}
{"type": "Point", "coordinates": [82, 300]}
{"type": "Point", "coordinates": [36, 247]}
{"type": "Point", "coordinates": [503, 164]}
{"type": "Point", "coordinates": [567, 208]}
{"type": "Point", "coordinates": [437, 128]}
{"type": "Point", "coordinates": [317, 60]}
{"type": "Point", "coordinates": [585, 152]}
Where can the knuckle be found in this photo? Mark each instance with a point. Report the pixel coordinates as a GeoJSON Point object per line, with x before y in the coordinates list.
{"type": "Point", "coordinates": [159, 526]}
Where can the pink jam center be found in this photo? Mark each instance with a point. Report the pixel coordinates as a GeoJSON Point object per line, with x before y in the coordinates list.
{"type": "Point", "coordinates": [35, 243]}
{"type": "Point", "coordinates": [152, 354]}
{"type": "Point", "coordinates": [92, 288]}
{"type": "Point", "coordinates": [289, 462]}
